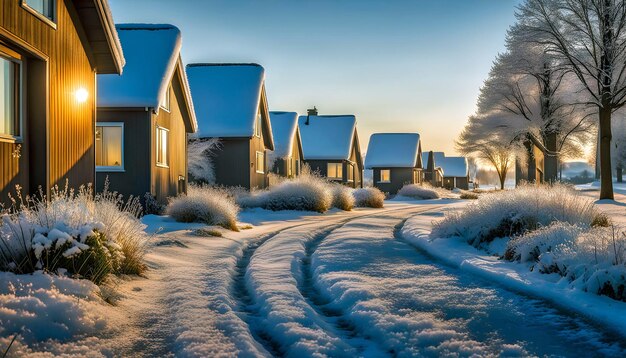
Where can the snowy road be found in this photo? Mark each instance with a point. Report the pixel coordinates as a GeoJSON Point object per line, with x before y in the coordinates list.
{"type": "Point", "coordinates": [344, 284]}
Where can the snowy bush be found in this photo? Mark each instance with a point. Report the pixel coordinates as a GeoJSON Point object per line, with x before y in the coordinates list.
{"type": "Point", "coordinates": [591, 259]}
{"type": "Point", "coordinates": [420, 192]}
{"type": "Point", "coordinates": [307, 192]}
{"type": "Point", "coordinates": [342, 197]}
{"type": "Point", "coordinates": [369, 197]}
{"type": "Point", "coordinates": [515, 212]}
{"type": "Point", "coordinates": [200, 153]}
{"type": "Point", "coordinates": [465, 194]}
{"type": "Point", "coordinates": [203, 203]}
{"type": "Point", "coordinates": [72, 232]}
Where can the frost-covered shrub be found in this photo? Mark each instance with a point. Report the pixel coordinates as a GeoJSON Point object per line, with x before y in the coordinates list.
{"type": "Point", "coordinates": [420, 192]}
{"type": "Point", "coordinates": [342, 197]}
{"type": "Point", "coordinates": [206, 204]}
{"type": "Point", "coordinates": [515, 212]}
{"type": "Point", "coordinates": [369, 197]}
{"type": "Point", "coordinates": [465, 194]}
{"type": "Point", "coordinates": [151, 205]}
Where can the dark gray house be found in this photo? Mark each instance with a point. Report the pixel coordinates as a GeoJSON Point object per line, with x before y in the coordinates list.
{"type": "Point", "coordinates": [286, 158]}
{"type": "Point", "coordinates": [432, 173]}
{"type": "Point", "coordinates": [455, 171]}
{"type": "Point", "coordinates": [144, 116]}
{"type": "Point", "coordinates": [396, 160]}
{"type": "Point", "coordinates": [330, 144]}
{"type": "Point", "coordinates": [231, 105]}
{"type": "Point", "coordinates": [531, 168]}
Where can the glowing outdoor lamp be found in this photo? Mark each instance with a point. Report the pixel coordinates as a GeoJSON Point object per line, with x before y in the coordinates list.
{"type": "Point", "coordinates": [81, 95]}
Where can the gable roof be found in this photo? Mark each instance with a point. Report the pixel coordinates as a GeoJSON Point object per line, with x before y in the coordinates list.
{"type": "Point", "coordinates": [228, 98]}
{"type": "Point", "coordinates": [285, 132]}
{"type": "Point", "coordinates": [327, 137]}
{"type": "Point", "coordinates": [394, 150]}
{"type": "Point", "coordinates": [452, 166]}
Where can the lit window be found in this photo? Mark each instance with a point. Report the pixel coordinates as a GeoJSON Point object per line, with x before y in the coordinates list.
{"type": "Point", "coordinates": [260, 162]}
{"type": "Point", "coordinates": [161, 147]}
{"type": "Point", "coordinates": [350, 172]}
{"type": "Point", "coordinates": [334, 171]}
{"type": "Point", "coordinates": [257, 125]}
{"type": "Point", "coordinates": [385, 176]}
{"type": "Point", "coordinates": [43, 7]}
{"type": "Point", "coordinates": [110, 146]}
{"type": "Point", "coordinates": [165, 104]}
{"type": "Point", "coordinates": [9, 97]}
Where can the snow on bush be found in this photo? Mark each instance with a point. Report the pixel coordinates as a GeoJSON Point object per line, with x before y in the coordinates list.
{"type": "Point", "coordinates": [420, 192]}
{"type": "Point", "coordinates": [72, 231]}
{"type": "Point", "coordinates": [590, 259]}
{"type": "Point", "coordinates": [515, 212]}
{"type": "Point", "coordinates": [206, 204]}
{"type": "Point", "coordinates": [200, 153]}
{"type": "Point", "coordinates": [342, 197]}
{"type": "Point", "coordinates": [369, 197]}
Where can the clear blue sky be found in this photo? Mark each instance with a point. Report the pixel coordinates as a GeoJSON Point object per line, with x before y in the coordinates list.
{"type": "Point", "coordinates": [398, 65]}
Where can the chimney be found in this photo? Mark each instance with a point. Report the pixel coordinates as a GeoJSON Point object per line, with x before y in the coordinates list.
{"type": "Point", "coordinates": [310, 112]}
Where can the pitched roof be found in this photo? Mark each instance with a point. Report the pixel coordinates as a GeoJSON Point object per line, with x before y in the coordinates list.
{"type": "Point", "coordinates": [227, 99]}
{"type": "Point", "coordinates": [394, 150]}
{"type": "Point", "coordinates": [285, 131]}
{"type": "Point", "coordinates": [452, 166]}
{"type": "Point", "coordinates": [327, 137]}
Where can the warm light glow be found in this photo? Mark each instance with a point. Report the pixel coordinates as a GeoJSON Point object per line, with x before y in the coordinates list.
{"type": "Point", "coordinates": [81, 95]}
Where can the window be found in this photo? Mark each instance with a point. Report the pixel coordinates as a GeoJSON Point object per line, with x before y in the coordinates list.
{"type": "Point", "coordinates": [334, 171]}
{"type": "Point", "coordinates": [257, 125]}
{"type": "Point", "coordinates": [260, 162]}
{"type": "Point", "coordinates": [165, 104]}
{"type": "Point", "coordinates": [10, 81]}
{"type": "Point", "coordinates": [161, 147]}
{"type": "Point", "coordinates": [350, 172]}
{"type": "Point", "coordinates": [297, 167]}
{"type": "Point", "coordinates": [385, 176]}
{"type": "Point", "coordinates": [44, 9]}
{"type": "Point", "coordinates": [110, 146]}
{"type": "Point", "coordinates": [290, 168]}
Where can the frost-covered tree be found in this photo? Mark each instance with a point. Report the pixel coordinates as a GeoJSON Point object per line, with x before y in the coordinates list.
{"type": "Point", "coordinates": [590, 37]}
{"type": "Point", "coordinates": [200, 154]}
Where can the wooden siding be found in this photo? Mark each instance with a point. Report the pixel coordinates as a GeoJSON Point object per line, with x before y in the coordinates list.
{"type": "Point", "coordinates": [399, 177]}
{"type": "Point", "coordinates": [257, 180]}
{"type": "Point", "coordinates": [61, 144]}
{"type": "Point", "coordinates": [232, 162]}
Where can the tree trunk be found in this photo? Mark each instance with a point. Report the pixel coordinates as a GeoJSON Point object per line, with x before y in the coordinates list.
{"type": "Point", "coordinates": [502, 180]}
{"type": "Point", "coordinates": [598, 156]}
{"type": "Point", "coordinates": [551, 160]}
{"type": "Point", "coordinates": [606, 173]}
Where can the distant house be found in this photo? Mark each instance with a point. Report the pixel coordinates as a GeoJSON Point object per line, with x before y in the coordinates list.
{"type": "Point", "coordinates": [231, 105]}
{"type": "Point", "coordinates": [144, 116]}
{"type": "Point", "coordinates": [396, 160]}
{"type": "Point", "coordinates": [331, 146]}
{"type": "Point", "coordinates": [531, 168]}
{"type": "Point", "coordinates": [286, 158]}
{"type": "Point", "coordinates": [455, 171]}
{"type": "Point", "coordinates": [432, 173]}
{"type": "Point", "coordinates": [50, 52]}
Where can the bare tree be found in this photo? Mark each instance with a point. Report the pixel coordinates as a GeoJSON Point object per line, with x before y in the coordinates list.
{"type": "Point", "coordinates": [590, 37]}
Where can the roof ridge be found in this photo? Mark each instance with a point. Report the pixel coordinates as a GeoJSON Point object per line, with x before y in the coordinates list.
{"type": "Point", "coordinates": [208, 64]}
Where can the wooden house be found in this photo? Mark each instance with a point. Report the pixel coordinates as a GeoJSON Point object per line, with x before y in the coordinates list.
{"type": "Point", "coordinates": [530, 169]}
{"type": "Point", "coordinates": [330, 144]}
{"type": "Point", "coordinates": [231, 105]}
{"type": "Point", "coordinates": [50, 52]}
{"type": "Point", "coordinates": [455, 171]}
{"type": "Point", "coordinates": [286, 158]}
{"type": "Point", "coordinates": [144, 116]}
{"type": "Point", "coordinates": [396, 160]}
{"type": "Point", "coordinates": [432, 173]}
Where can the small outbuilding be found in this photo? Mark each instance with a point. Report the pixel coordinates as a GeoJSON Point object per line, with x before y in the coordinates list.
{"type": "Point", "coordinates": [286, 158]}
{"type": "Point", "coordinates": [396, 160]}
{"type": "Point", "coordinates": [432, 173]}
{"type": "Point", "coordinates": [231, 105]}
{"type": "Point", "coordinates": [144, 116]}
{"type": "Point", "coordinates": [330, 144]}
{"type": "Point", "coordinates": [455, 171]}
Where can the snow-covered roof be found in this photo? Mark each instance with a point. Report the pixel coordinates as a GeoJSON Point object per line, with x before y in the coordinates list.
{"type": "Point", "coordinates": [452, 166]}
{"type": "Point", "coordinates": [394, 150]}
{"type": "Point", "coordinates": [227, 98]}
{"type": "Point", "coordinates": [284, 130]}
{"type": "Point", "coordinates": [424, 159]}
{"type": "Point", "coordinates": [327, 137]}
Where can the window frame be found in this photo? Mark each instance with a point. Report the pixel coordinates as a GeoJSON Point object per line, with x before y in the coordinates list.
{"type": "Point", "coordinates": [339, 173]}
{"type": "Point", "coordinates": [14, 57]}
{"type": "Point", "coordinates": [52, 22]}
{"type": "Point", "coordinates": [256, 162]}
{"type": "Point", "coordinates": [167, 104]}
{"type": "Point", "coordinates": [380, 176]}
{"type": "Point", "coordinates": [107, 168]}
{"type": "Point", "coordinates": [157, 142]}
{"type": "Point", "coordinates": [257, 124]}
{"type": "Point", "coordinates": [350, 172]}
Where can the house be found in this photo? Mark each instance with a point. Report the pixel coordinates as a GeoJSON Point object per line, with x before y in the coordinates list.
{"type": "Point", "coordinates": [231, 105]}
{"type": "Point", "coordinates": [50, 52]}
{"type": "Point", "coordinates": [330, 144]}
{"type": "Point", "coordinates": [531, 168]}
{"type": "Point", "coordinates": [286, 158]}
{"type": "Point", "coordinates": [455, 171]}
{"type": "Point", "coordinates": [144, 116]}
{"type": "Point", "coordinates": [432, 173]}
{"type": "Point", "coordinates": [396, 160]}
